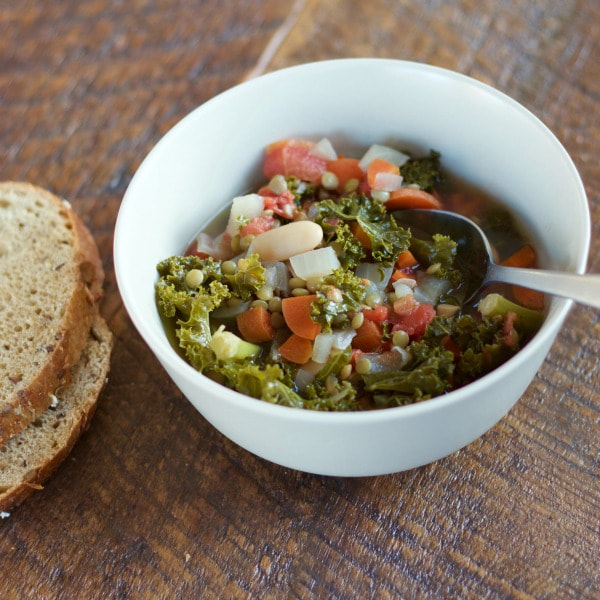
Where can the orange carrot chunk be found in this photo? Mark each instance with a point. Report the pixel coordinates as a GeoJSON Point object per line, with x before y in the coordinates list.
{"type": "Point", "coordinates": [345, 169]}
{"type": "Point", "coordinates": [255, 325]}
{"type": "Point", "coordinates": [368, 337]}
{"type": "Point", "coordinates": [359, 233]}
{"type": "Point", "coordinates": [296, 312]}
{"type": "Point", "coordinates": [406, 260]}
{"type": "Point", "coordinates": [525, 258]}
{"type": "Point", "coordinates": [296, 349]}
{"type": "Point", "coordinates": [380, 166]}
{"type": "Point", "coordinates": [411, 198]}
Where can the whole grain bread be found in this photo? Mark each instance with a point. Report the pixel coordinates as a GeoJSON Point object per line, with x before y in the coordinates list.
{"type": "Point", "coordinates": [29, 458]}
{"type": "Point", "coordinates": [50, 282]}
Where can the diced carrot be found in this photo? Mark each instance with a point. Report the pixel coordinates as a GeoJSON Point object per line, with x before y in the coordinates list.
{"type": "Point", "coordinates": [255, 325]}
{"type": "Point", "coordinates": [406, 260]}
{"type": "Point", "coordinates": [403, 306]}
{"type": "Point", "coordinates": [296, 312]}
{"type": "Point", "coordinates": [378, 314]}
{"type": "Point", "coordinates": [528, 298]}
{"type": "Point", "coordinates": [296, 349]}
{"type": "Point", "coordinates": [368, 337]}
{"type": "Point", "coordinates": [524, 258]}
{"type": "Point", "coordinates": [411, 198]}
{"type": "Point", "coordinates": [401, 274]}
{"type": "Point", "coordinates": [345, 169]}
{"type": "Point", "coordinates": [360, 235]}
{"type": "Point", "coordinates": [380, 166]}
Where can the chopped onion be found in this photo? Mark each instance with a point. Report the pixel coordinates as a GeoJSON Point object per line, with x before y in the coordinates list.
{"type": "Point", "coordinates": [406, 281]}
{"type": "Point", "coordinates": [388, 182]}
{"type": "Point", "coordinates": [391, 360]}
{"type": "Point", "coordinates": [206, 244]}
{"type": "Point", "coordinates": [377, 275]}
{"type": "Point", "coordinates": [342, 339]}
{"type": "Point", "coordinates": [383, 152]}
{"type": "Point", "coordinates": [322, 347]}
{"type": "Point", "coordinates": [429, 289]}
{"type": "Point", "coordinates": [248, 206]}
{"type": "Point", "coordinates": [227, 312]}
{"type": "Point", "coordinates": [314, 263]}
{"type": "Point", "coordinates": [276, 275]}
{"type": "Point", "coordinates": [306, 374]}
{"type": "Point", "coordinates": [324, 149]}
{"type": "Point", "coordinates": [281, 335]}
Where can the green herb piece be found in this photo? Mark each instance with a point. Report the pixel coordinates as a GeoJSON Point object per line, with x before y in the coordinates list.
{"type": "Point", "coordinates": [326, 310]}
{"type": "Point", "coordinates": [248, 278]}
{"type": "Point", "coordinates": [331, 395]}
{"type": "Point", "coordinates": [349, 249]}
{"type": "Point", "coordinates": [426, 374]}
{"type": "Point", "coordinates": [388, 239]}
{"type": "Point", "coordinates": [527, 319]}
{"type": "Point", "coordinates": [424, 172]}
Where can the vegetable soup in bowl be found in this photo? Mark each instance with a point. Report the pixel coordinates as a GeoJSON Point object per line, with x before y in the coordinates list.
{"type": "Point", "coordinates": [293, 308]}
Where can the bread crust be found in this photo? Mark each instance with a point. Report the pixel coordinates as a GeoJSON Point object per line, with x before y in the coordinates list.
{"type": "Point", "coordinates": [38, 474]}
{"type": "Point", "coordinates": [18, 411]}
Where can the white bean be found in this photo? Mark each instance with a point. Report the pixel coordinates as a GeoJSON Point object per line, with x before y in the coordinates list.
{"type": "Point", "coordinates": [287, 240]}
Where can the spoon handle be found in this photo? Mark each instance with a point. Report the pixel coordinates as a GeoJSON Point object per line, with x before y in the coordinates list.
{"type": "Point", "coordinates": [584, 289]}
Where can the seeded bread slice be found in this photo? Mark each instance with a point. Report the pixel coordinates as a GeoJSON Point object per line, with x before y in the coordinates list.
{"type": "Point", "coordinates": [29, 458]}
{"type": "Point", "coordinates": [50, 282]}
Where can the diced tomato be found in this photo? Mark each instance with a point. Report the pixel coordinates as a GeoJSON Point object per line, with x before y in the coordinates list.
{"type": "Point", "coordinates": [294, 157]}
{"type": "Point", "coordinates": [257, 225]}
{"type": "Point", "coordinates": [379, 314]}
{"type": "Point", "coordinates": [364, 187]}
{"type": "Point", "coordinates": [368, 337]}
{"type": "Point", "coordinates": [356, 354]}
{"type": "Point", "coordinates": [415, 322]}
{"type": "Point", "coordinates": [509, 333]}
{"type": "Point", "coordinates": [449, 344]}
{"type": "Point", "coordinates": [282, 205]}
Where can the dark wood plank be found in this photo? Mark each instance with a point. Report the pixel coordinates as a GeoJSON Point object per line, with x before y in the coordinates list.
{"type": "Point", "coordinates": [153, 502]}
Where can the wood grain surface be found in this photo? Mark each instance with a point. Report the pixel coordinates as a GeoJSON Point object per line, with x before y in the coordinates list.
{"type": "Point", "coordinates": [153, 502]}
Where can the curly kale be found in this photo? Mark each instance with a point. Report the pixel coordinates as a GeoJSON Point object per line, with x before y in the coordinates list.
{"type": "Point", "coordinates": [248, 278]}
{"type": "Point", "coordinates": [387, 238]}
{"type": "Point", "coordinates": [327, 310]}
{"type": "Point", "coordinates": [424, 172]}
{"type": "Point", "coordinates": [349, 249]}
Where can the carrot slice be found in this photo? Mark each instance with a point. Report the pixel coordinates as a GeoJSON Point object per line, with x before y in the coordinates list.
{"type": "Point", "coordinates": [368, 337]}
{"type": "Point", "coordinates": [345, 169]}
{"type": "Point", "coordinates": [524, 257]}
{"type": "Point", "coordinates": [380, 166]}
{"type": "Point", "coordinates": [405, 260]}
{"type": "Point", "coordinates": [296, 349]}
{"type": "Point", "coordinates": [411, 198]}
{"type": "Point", "coordinates": [296, 312]}
{"type": "Point", "coordinates": [359, 233]}
{"type": "Point", "coordinates": [528, 298]}
{"type": "Point", "coordinates": [255, 325]}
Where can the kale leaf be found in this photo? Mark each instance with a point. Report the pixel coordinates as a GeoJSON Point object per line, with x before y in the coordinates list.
{"type": "Point", "coordinates": [249, 277]}
{"type": "Point", "coordinates": [350, 250]}
{"type": "Point", "coordinates": [326, 310]}
{"type": "Point", "coordinates": [387, 238]}
{"type": "Point", "coordinates": [424, 172]}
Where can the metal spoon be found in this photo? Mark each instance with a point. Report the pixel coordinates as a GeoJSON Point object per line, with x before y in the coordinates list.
{"type": "Point", "coordinates": [476, 253]}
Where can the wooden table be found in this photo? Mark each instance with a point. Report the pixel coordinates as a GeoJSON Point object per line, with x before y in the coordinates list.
{"type": "Point", "coordinates": [153, 502]}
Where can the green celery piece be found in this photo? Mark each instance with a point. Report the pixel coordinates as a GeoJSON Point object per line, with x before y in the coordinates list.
{"type": "Point", "coordinates": [496, 304]}
{"type": "Point", "coordinates": [228, 346]}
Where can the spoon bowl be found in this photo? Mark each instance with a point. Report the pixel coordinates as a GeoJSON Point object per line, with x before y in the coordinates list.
{"type": "Point", "coordinates": [476, 258]}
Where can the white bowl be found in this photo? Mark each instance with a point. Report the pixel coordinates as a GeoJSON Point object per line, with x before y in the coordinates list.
{"type": "Point", "coordinates": [215, 153]}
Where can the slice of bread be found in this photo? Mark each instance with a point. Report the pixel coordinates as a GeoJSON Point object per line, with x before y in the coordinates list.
{"type": "Point", "coordinates": [50, 283]}
{"type": "Point", "coordinates": [29, 458]}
